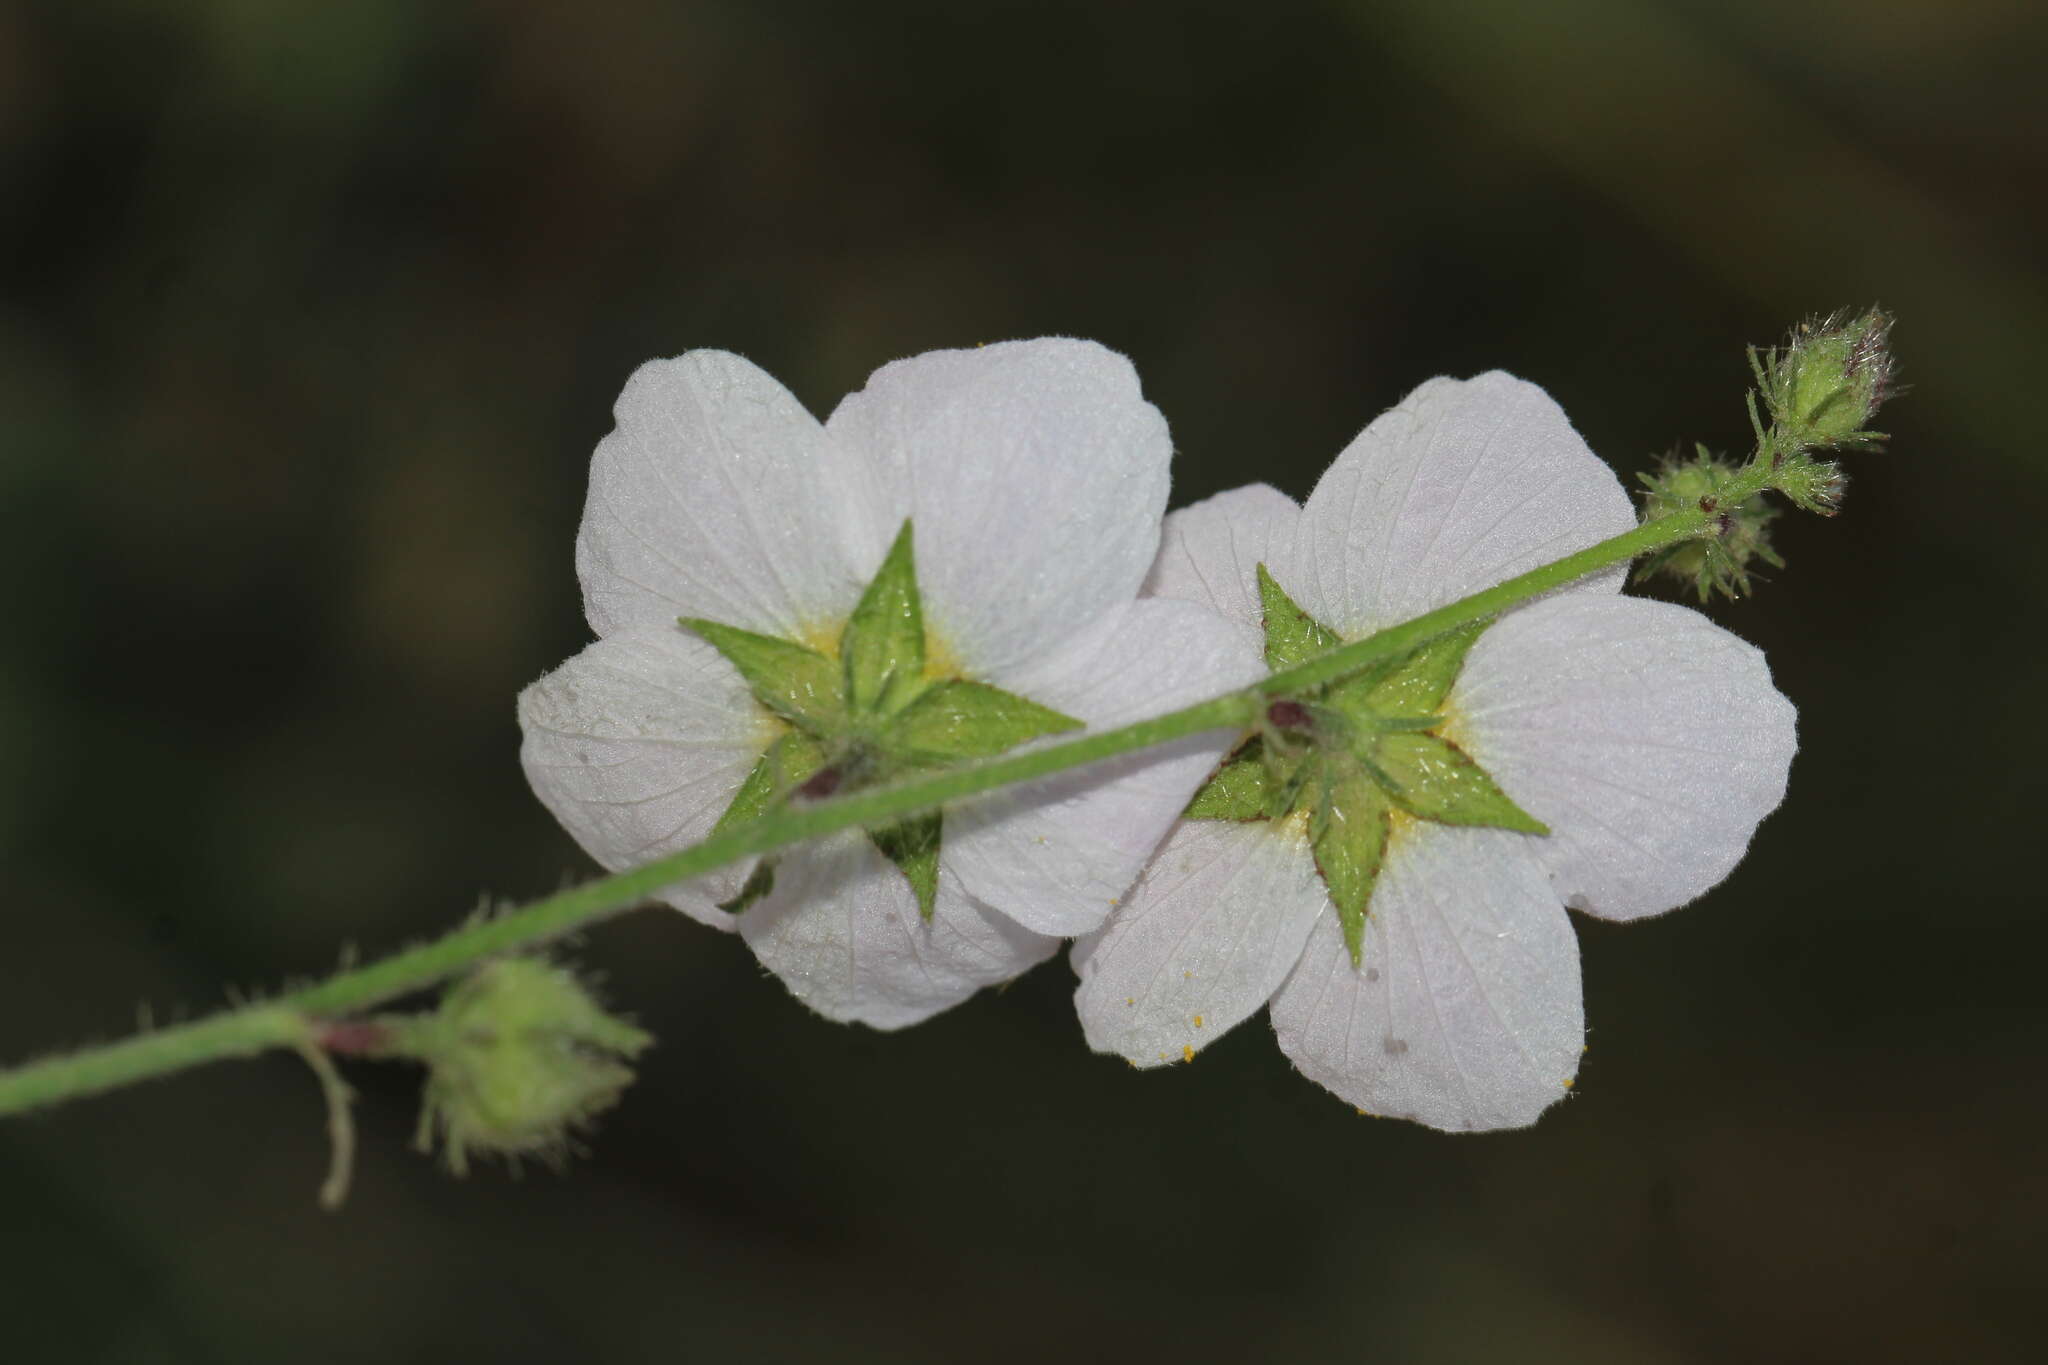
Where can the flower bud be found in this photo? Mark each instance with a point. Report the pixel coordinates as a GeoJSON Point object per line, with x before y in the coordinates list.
{"type": "Point", "coordinates": [1815, 485]}
{"type": "Point", "coordinates": [519, 1055]}
{"type": "Point", "coordinates": [1718, 563]}
{"type": "Point", "coordinates": [1826, 383]}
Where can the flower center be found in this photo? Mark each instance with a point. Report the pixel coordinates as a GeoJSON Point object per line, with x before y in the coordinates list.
{"type": "Point", "coordinates": [878, 699]}
{"type": "Point", "coordinates": [1351, 762]}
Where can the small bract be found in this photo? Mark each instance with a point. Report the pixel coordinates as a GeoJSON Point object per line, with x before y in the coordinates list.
{"type": "Point", "coordinates": [945, 568]}
{"type": "Point", "coordinates": [1389, 860]}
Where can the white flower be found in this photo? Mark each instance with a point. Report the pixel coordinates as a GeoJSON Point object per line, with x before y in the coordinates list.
{"type": "Point", "coordinates": [1033, 476]}
{"type": "Point", "coordinates": [1649, 741]}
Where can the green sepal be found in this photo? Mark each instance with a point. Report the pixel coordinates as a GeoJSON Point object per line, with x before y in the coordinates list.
{"type": "Point", "coordinates": [783, 767]}
{"type": "Point", "coordinates": [759, 883]}
{"type": "Point", "coordinates": [1387, 725]}
{"type": "Point", "coordinates": [960, 720]}
{"type": "Point", "coordinates": [786, 765]}
{"type": "Point", "coordinates": [913, 845]}
{"type": "Point", "coordinates": [799, 684]}
{"type": "Point", "coordinates": [1287, 784]}
{"type": "Point", "coordinates": [1240, 789]}
{"type": "Point", "coordinates": [882, 647]}
{"type": "Point", "coordinates": [1433, 778]}
{"type": "Point", "coordinates": [1350, 843]}
{"type": "Point", "coordinates": [1415, 686]}
{"type": "Point", "coordinates": [1292, 635]}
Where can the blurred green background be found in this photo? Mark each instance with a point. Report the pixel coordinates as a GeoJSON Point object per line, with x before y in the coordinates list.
{"type": "Point", "coordinates": [310, 316]}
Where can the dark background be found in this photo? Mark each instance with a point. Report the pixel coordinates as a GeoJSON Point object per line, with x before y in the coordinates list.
{"type": "Point", "coordinates": [309, 317]}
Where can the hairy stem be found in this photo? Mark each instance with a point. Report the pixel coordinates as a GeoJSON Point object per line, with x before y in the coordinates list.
{"type": "Point", "coordinates": [242, 1032]}
{"type": "Point", "coordinates": [1395, 641]}
{"type": "Point", "coordinates": [291, 1019]}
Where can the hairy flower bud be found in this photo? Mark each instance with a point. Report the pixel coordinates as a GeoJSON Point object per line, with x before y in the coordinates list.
{"type": "Point", "coordinates": [1825, 384]}
{"type": "Point", "coordinates": [1719, 563]}
{"type": "Point", "coordinates": [519, 1055]}
{"type": "Point", "coordinates": [1814, 485]}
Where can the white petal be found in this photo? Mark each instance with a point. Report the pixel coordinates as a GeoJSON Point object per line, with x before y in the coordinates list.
{"type": "Point", "coordinates": [1464, 1012]}
{"type": "Point", "coordinates": [1210, 552]}
{"type": "Point", "coordinates": [638, 745]}
{"type": "Point", "coordinates": [1057, 854]}
{"type": "Point", "coordinates": [1466, 483]}
{"type": "Point", "coordinates": [1202, 941]}
{"type": "Point", "coordinates": [1035, 474]}
{"type": "Point", "coordinates": [841, 929]}
{"type": "Point", "coordinates": [1650, 740]}
{"type": "Point", "coordinates": [718, 496]}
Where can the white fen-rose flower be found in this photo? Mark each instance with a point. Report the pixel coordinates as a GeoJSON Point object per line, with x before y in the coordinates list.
{"type": "Point", "coordinates": [1373, 864]}
{"type": "Point", "coordinates": [985, 518]}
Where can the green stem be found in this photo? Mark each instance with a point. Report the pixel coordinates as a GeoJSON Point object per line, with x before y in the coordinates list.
{"type": "Point", "coordinates": [243, 1032]}
{"type": "Point", "coordinates": [579, 906]}
{"type": "Point", "coordinates": [1395, 641]}
{"type": "Point", "coordinates": [289, 1020]}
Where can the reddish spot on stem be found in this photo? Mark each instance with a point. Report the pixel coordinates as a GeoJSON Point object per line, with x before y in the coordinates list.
{"type": "Point", "coordinates": [820, 785]}
{"type": "Point", "coordinates": [355, 1036]}
{"type": "Point", "coordinates": [1287, 715]}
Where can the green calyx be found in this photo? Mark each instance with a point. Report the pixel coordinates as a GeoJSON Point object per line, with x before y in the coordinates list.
{"type": "Point", "coordinates": [873, 709]}
{"type": "Point", "coordinates": [1354, 756]}
{"type": "Point", "coordinates": [1827, 381]}
{"type": "Point", "coordinates": [519, 1056]}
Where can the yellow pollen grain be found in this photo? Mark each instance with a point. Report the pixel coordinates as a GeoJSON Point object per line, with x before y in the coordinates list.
{"type": "Point", "coordinates": [820, 636]}
{"type": "Point", "coordinates": [1130, 1000]}
{"type": "Point", "coordinates": [1567, 1082]}
{"type": "Point", "coordinates": [1451, 726]}
{"type": "Point", "coordinates": [940, 662]}
{"type": "Point", "coordinates": [1187, 1054]}
{"type": "Point", "coordinates": [768, 727]}
{"type": "Point", "coordinates": [1198, 1021]}
{"type": "Point", "coordinates": [1187, 976]}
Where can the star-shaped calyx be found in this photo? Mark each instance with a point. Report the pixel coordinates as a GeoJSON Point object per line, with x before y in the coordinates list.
{"type": "Point", "coordinates": [878, 704]}
{"type": "Point", "coordinates": [1349, 761]}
